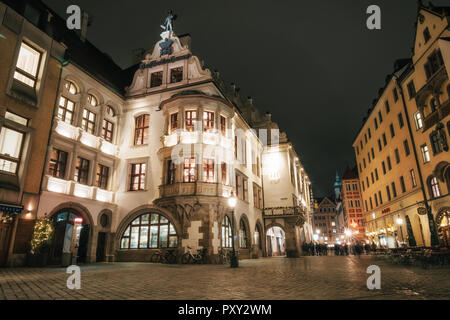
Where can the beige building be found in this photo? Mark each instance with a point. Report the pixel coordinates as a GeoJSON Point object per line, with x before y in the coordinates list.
{"type": "Point", "coordinates": [30, 63]}
{"type": "Point", "coordinates": [324, 221]}
{"type": "Point", "coordinates": [400, 176]}
{"type": "Point", "coordinates": [146, 158]}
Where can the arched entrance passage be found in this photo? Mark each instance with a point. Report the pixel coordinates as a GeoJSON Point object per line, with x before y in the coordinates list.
{"type": "Point", "coordinates": [276, 242]}
{"type": "Point", "coordinates": [63, 220]}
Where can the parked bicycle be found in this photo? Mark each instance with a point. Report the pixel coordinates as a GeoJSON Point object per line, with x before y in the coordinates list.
{"type": "Point", "coordinates": [223, 256]}
{"type": "Point", "coordinates": [189, 257]}
{"type": "Point", "coordinates": [167, 256]}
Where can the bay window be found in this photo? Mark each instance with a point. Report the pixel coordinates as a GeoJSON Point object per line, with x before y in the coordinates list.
{"type": "Point", "coordinates": [208, 170]}
{"type": "Point", "coordinates": [173, 123]}
{"type": "Point", "coordinates": [208, 121]}
{"type": "Point", "coordinates": [189, 172]}
{"type": "Point", "coordinates": [191, 117]}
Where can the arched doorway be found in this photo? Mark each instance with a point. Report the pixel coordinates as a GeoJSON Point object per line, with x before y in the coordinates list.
{"type": "Point", "coordinates": [63, 220]}
{"type": "Point", "coordinates": [443, 224]}
{"type": "Point", "coordinates": [276, 242]}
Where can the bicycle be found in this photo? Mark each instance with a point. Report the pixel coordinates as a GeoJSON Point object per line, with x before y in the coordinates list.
{"type": "Point", "coordinates": [167, 256]}
{"type": "Point", "coordinates": [190, 258]}
{"type": "Point", "coordinates": [223, 256]}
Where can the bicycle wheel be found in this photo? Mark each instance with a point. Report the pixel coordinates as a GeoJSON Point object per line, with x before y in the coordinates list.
{"type": "Point", "coordinates": [186, 258]}
{"type": "Point", "coordinates": [171, 258]}
{"type": "Point", "coordinates": [155, 258]}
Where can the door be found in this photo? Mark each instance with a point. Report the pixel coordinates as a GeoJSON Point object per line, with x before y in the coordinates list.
{"type": "Point", "coordinates": [101, 246]}
{"type": "Point", "coordinates": [83, 246]}
{"type": "Point", "coordinates": [5, 229]}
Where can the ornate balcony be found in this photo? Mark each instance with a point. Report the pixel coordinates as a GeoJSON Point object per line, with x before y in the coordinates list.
{"type": "Point", "coordinates": [195, 189]}
{"type": "Point", "coordinates": [436, 116]}
{"type": "Point", "coordinates": [78, 134]}
{"type": "Point", "coordinates": [78, 190]}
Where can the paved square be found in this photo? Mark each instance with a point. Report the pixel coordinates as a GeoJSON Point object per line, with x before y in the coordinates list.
{"type": "Point", "coordinates": [332, 277]}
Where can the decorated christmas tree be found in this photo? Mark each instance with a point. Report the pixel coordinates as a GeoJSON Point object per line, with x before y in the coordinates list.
{"type": "Point", "coordinates": [42, 236]}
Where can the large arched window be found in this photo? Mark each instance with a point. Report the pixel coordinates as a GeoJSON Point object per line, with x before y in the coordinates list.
{"type": "Point", "coordinates": [435, 191]}
{"type": "Point", "coordinates": [242, 235]}
{"type": "Point", "coordinates": [227, 236]}
{"type": "Point", "coordinates": [149, 231]}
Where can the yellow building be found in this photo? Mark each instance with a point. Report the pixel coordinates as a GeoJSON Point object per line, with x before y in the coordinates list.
{"type": "Point", "coordinates": [402, 149]}
{"type": "Point", "coordinates": [30, 69]}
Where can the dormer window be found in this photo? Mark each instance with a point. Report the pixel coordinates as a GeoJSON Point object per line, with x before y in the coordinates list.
{"type": "Point", "coordinates": [71, 87]}
{"type": "Point", "coordinates": [176, 75]}
{"type": "Point", "coordinates": [92, 100]}
{"type": "Point", "coordinates": [156, 79]}
{"type": "Point", "coordinates": [426, 35]}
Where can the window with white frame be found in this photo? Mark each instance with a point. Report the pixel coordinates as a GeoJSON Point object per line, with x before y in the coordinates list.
{"type": "Point", "coordinates": [27, 66]}
{"type": "Point", "coordinates": [88, 121]}
{"type": "Point", "coordinates": [66, 109]}
{"type": "Point", "coordinates": [425, 153]}
{"type": "Point", "coordinates": [11, 141]}
{"type": "Point", "coordinates": [418, 120]}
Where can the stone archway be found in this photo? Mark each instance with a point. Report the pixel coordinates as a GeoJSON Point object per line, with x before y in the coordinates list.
{"type": "Point", "coordinates": [443, 225]}
{"type": "Point", "coordinates": [276, 241]}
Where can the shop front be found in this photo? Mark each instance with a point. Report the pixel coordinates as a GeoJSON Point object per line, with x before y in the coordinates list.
{"type": "Point", "coordinates": [8, 214]}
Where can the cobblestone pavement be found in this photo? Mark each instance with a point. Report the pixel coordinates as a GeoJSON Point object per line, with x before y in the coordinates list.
{"type": "Point", "coordinates": [332, 277]}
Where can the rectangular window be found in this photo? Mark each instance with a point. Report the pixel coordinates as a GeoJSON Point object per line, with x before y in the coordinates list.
{"type": "Point", "coordinates": [368, 156]}
{"type": "Point", "coordinates": [208, 170]}
{"type": "Point", "coordinates": [88, 121]}
{"type": "Point", "coordinates": [376, 123]}
{"type": "Point", "coordinates": [171, 172]}
{"type": "Point", "coordinates": [400, 120]}
{"type": "Point", "coordinates": [384, 140]}
{"type": "Point", "coordinates": [191, 118]}
{"type": "Point", "coordinates": [413, 178]}
{"type": "Point", "coordinates": [402, 184]}
{"type": "Point", "coordinates": [376, 174]}
{"type": "Point", "coordinates": [425, 153]}
{"type": "Point", "coordinates": [65, 110]}
{"type": "Point", "coordinates": [380, 117]}
{"type": "Point", "coordinates": [380, 197]}
{"type": "Point", "coordinates": [235, 146]}
{"type": "Point", "coordinates": [376, 200]}
{"type": "Point", "coordinates": [433, 64]}
{"type": "Point", "coordinates": [371, 175]}
{"type": "Point", "coordinates": [426, 34]}
{"type": "Point", "coordinates": [388, 109]}
{"type": "Point", "coordinates": [411, 90]}
{"type": "Point", "coordinates": [391, 128]}
{"type": "Point", "coordinates": [137, 177]}
{"type": "Point", "coordinates": [371, 204]}
{"type": "Point", "coordinates": [397, 156]}
{"type": "Point", "coordinates": [190, 170]}
{"type": "Point", "coordinates": [389, 163]}
{"type": "Point", "coordinates": [418, 120]}
{"type": "Point", "coordinates": [394, 191]}
{"type": "Point", "coordinates": [369, 133]}
{"type": "Point", "coordinates": [176, 75]}
{"type": "Point", "coordinates": [239, 191]}
{"type": "Point", "coordinates": [173, 123]}
{"type": "Point", "coordinates": [102, 176]}
{"type": "Point", "coordinates": [383, 165]}
{"type": "Point", "coordinates": [10, 149]}
{"type": "Point", "coordinates": [81, 171]}
{"type": "Point", "coordinates": [364, 162]}
{"type": "Point", "coordinates": [156, 79]}
{"type": "Point", "coordinates": [373, 153]}
{"type": "Point", "coordinates": [208, 121]}
{"type": "Point", "coordinates": [379, 145]}
{"type": "Point", "coordinates": [27, 66]}
{"type": "Point", "coordinates": [406, 147]}
{"type": "Point", "coordinates": [107, 130]}
{"type": "Point", "coordinates": [57, 163]}
{"type": "Point", "coordinates": [245, 185]}
{"type": "Point", "coordinates": [223, 125]}
{"type": "Point", "coordinates": [435, 143]}
{"type": "Point", "coordinates": [388, 192]}
{"type": "Point", "coordinates": [224, 173]}
{"type": "Point", "coordinates": [142, 125]}
{"type": "Point", "coordinates": [395, 92]}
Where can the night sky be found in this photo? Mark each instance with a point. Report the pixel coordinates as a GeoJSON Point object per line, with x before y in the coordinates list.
{"type": "Point", "coordinates": [313, 64]}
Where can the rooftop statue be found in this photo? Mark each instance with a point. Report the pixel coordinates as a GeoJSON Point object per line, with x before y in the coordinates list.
{"type": "Point", "coordinates": [168, 24]}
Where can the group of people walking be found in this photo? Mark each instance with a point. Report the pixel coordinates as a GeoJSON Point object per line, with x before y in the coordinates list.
{"type": "Point", "coordinates": [343, 249]}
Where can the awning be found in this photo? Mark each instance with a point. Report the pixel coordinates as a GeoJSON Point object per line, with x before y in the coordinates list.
{"type": "Point", "coordinates": [10, 208]}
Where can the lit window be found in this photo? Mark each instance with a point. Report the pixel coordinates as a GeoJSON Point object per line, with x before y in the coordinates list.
{"type": "Point", "coordinates": [242, 235]}
{"type": "Point", "coordinates": [110, 111]}
{"type": "Point", "coordinates": [16, 118]}
{"type": "Point", "coordinates": [10, 150]}
{"type": "Point", "coordinates": [81, 171]}
{"type": "Point", "coordinates": [176, 75]}
{"type": "Point", "coordinates": [190, 171]}
{"type": "Point", "coordinates": [173, 123]}
{"type": "Point", "coordinates": [418, 120]}
{"type": "Point", "coordinates": [92, 100]}
{"type": "Point", "coordinates": [191, 117]}
{"type": "Point", "coordinates": [425, 153]}
{"type": "Point", "coordinates": [171, 172]}
{"type": "Point", "coordinates": [227, 237]}
{"type": "Point", "coordinates": [224, 173]}
{"type": "Point", "coordinates": [107, 130]}
{"type": "Point", "coordinates": [208, 121]}
{"type": "Point", "coordinates": [434, 186]}
{"type": "Point", "coordinates": [149, 231]}
{"type": "Point", "coordinates": [102, 176]}
{"type": "Point", "coordinates": [70, 86]}
{"type": "Point", "coordinates": [65, 110]}
{"type": "Point", "coordinates": [57, 163]}
{"type": "Point", "coordinates": [137, 177]}
{"type": "Point", "coordinates": [27, 65]}
{"type": "Point", "coordinates": [223, 125]}
{"type": "Point", "coordinates": [88, 121]}
{"type": "Point", "coordinates": [142, 125]}
{"type": "Point", "coordinates": [208, 170]}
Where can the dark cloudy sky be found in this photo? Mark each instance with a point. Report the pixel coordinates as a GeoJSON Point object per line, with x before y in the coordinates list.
{"type": "Point", "coordinates": [313, 64]}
